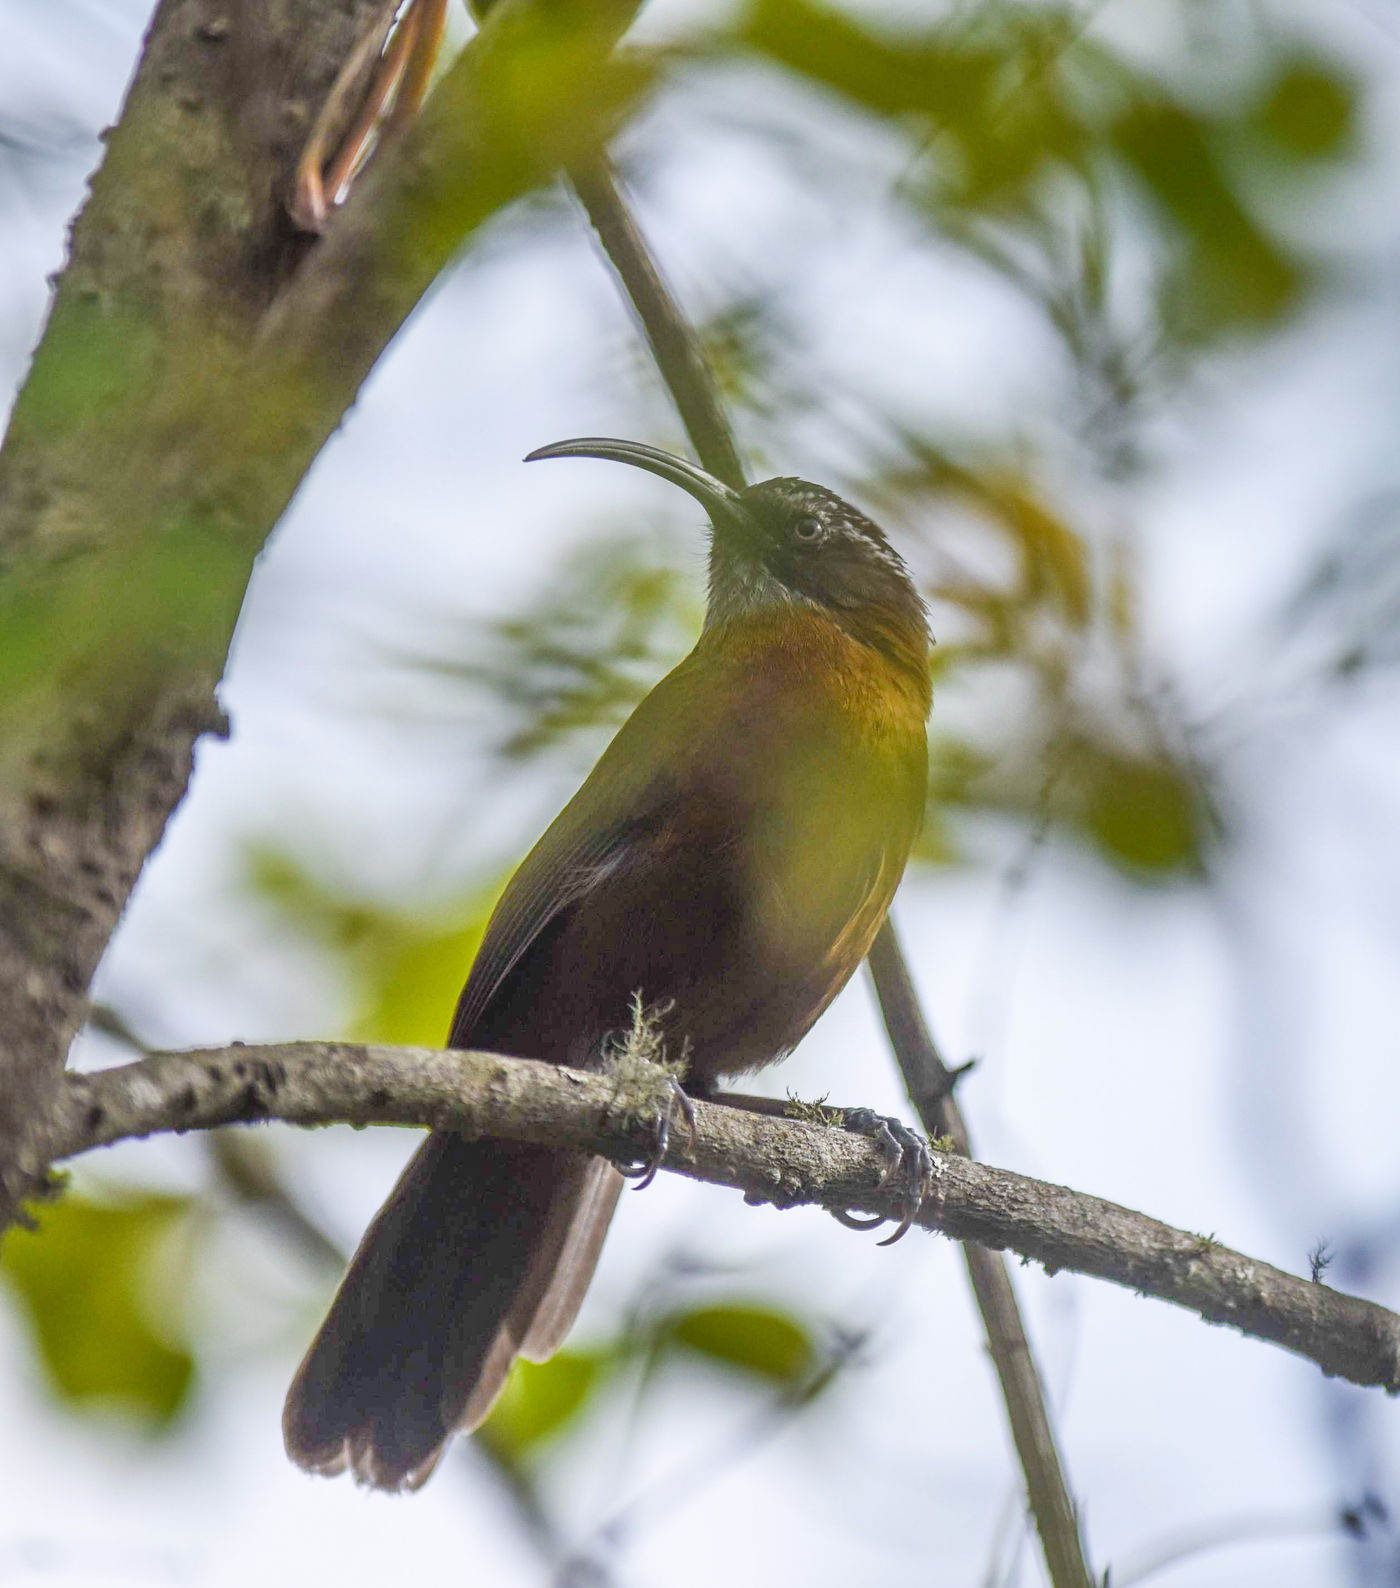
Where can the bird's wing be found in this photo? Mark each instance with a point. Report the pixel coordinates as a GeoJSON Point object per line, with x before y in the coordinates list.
{"type": "Point", "coordinates": [605, 828]}
{"type": "Point", "coordinates": [570, 861]}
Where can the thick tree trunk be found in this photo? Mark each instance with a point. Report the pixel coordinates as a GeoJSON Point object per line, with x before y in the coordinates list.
{"type": "Point", "coordinates": [182, 244]}
{"type": "Point", "coordinates": [198, 356]}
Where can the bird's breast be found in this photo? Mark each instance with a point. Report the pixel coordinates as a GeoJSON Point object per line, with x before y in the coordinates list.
{"type": "Point", "coordinates": [812, 775]}
{"type": "Point", "coordinates": [762, 802]}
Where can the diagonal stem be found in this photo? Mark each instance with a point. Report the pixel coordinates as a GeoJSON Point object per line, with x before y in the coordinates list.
{"type": "Point", "coordinates": [674, 344]}
{"type": "Point", "coordinates": [930, 1083]}
{"type": "Point", "coordinates": [683, 367]}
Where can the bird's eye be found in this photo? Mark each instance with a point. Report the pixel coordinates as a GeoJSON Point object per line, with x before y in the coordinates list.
{"type": "Point", "coordinates": [807, 527]}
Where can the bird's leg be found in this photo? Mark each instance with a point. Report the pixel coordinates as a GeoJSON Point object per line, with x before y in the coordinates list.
{"type": "Point", "coordinates": [905, 1152]}
{"type": "Point", "coordinates": [646, 1081]}
{"type": "Point", "coordinates": [404, 68]}
{"type": "Point", "coordinates": [907, 1156]}
{"type": "Point", "coordinates": [676, 1103]}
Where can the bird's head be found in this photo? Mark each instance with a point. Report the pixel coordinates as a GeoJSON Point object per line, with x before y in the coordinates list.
{"type": "Point", "coordinates": [788, 542]}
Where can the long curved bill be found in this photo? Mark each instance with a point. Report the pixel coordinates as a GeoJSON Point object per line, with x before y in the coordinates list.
{"type": "Point", "coordinates": [720, 501]}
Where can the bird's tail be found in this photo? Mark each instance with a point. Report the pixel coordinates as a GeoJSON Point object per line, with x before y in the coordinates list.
{"type": "Point", "coordinates": [484, 1249]}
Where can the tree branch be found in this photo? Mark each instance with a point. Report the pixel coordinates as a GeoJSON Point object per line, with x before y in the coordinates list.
{"type": "Point", "coordinates": [779, 1161]}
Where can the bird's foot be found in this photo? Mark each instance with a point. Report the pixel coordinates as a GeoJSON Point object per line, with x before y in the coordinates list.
{"type": "Point", "coordinates": [907, 1160]}
{"type": "Point", "coordinates": [675, 1104]}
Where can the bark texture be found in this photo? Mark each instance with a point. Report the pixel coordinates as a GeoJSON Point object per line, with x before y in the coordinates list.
{"type": "Point", "coordinates": [198, 355]}
{"type": "Point", "coordinates": [182, 236]}
{"type": "Point", "coordinates": [779, 1161]}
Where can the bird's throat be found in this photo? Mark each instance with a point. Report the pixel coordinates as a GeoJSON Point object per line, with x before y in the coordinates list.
{"type": "Point", "coordinates": [742, 587]}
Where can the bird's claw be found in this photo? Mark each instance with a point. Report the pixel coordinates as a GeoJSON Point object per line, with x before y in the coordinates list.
{"type": "Point", "coordinates": [677, 1103]}
{"type": "Point", "coordinates": [906, 1156]}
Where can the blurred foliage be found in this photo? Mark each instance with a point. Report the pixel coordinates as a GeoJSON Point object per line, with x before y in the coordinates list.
{"type": "Point", "coordinates": [407, 966]}
{"type": "Point", "coordinates": [540, 1399]}
{"type": "Point", "coordinates": [100, 1285]}
{"type": "Point", "coordinates": [764, 1346]}
{"type": "Point", "coordinates": [1307, 109]}
{"type": "Point", "coordinates": [1228, 271]}
{"type": "Point", "coordinates": [1012, 108]}
{"type": "Point", "coordinates": [758, 1340]}
{"type": "Point", "coordinates": [1148, 816]}
{"type": "Point", "coordinates": [1346, 608]}
{"type": "Point", "coordinates": [1136, 203]}
{"type": "Point", "coordinates": [417, 976]}
{"type": "Point", "coordinates": [613, 617]}
{"type": "Point", "coordinates": [1090, 747]}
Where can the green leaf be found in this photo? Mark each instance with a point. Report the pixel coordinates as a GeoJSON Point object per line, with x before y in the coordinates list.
{"type": "Point", "coordinates": [1308, 110]}
{"type": "Point", "coordinates": [755, 1339]}
{"type": "Point", "coordinates": [409, 971]}
{"type": "Point", "coordinates": [890, 76]}
{"type": "Point", "coordinates": [414, 978]}
{"type": "Point", "coordinates": [539, 1399]}
{"type": "Point", "coordinates": [1230, 272]}
{"type": "Point", "coordinates": [1148, 817]}
{"type": "Point", "coordinates": [101, 1297]}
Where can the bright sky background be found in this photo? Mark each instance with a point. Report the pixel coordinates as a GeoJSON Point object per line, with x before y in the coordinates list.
{"type": "Point", "coordinates": [1229, 1067]}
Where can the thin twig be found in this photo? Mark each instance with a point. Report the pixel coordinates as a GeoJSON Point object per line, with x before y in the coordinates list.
{"type": "Point", "coordinates": [248, 1171]}
{"type": "Point", "coordinates": [930, 1084]}
{"type": "Point", "coordinates": [1261, 1527]}
{"type": "Point", "coordinates": [681, 362]}
{"type": "Point", "coordinates": [779, 1161]}
{"type": "Point", "coordinates": [674, 345]}
{"type": "Point", "coordinates": [683, 1485]}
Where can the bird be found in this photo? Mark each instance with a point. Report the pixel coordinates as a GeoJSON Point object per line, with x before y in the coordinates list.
{"type": "Point", "coordinates": [727, 862]}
